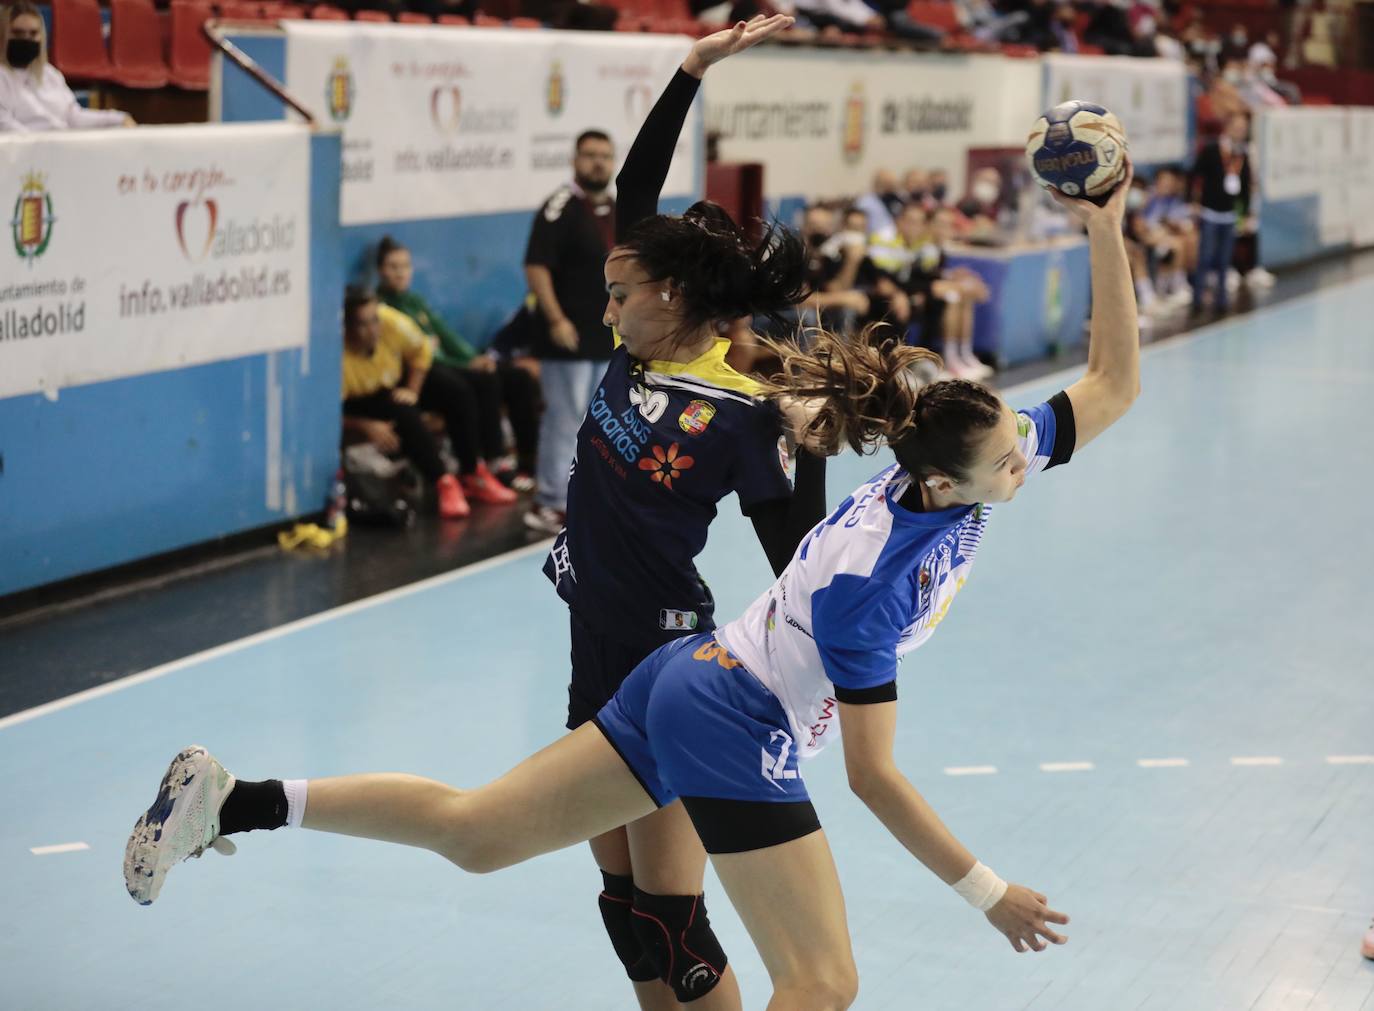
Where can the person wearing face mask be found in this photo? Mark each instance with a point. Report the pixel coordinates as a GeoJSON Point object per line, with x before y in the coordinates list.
{"type": "Point", "coordinates": [916, 183]}
{"type": "Point", "coordinates": [34, 96]}
{"type": "Point", "coordinates": [833, 259]}
{"type": "Point", "coordinates": [1220, 181]}
{"type": "Point", "coordinates": [1236, 44]}
{"type": "Point", "coordinates": [885, 202]}
{"type": "Point", "coordinates": [833, 262]}
{"type": "Point", "coordinates": [939, 186]}
{"type": "Point", "coordinates": [981, 207]}
{"type": "Point", "coordinates": [1262, 60]}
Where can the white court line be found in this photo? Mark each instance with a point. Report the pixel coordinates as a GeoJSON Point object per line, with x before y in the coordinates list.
{"type": "Point", "coordinates": [66, 847]}
{"type": "Point", "coordinates": [1350, 759]}
{"type": "Point", "coordinates": [1257, 760]}
{"type": "Point", "coordinates": [1067, 766]}
{"type": "Point", "coordinates": [971, 770]}
{"type": "Point", "coordinates": [1073, 371]}
{"type": "Point", "coordinates": [1161, 763]}
{"type": "Point", "coordinates": [272, 633]}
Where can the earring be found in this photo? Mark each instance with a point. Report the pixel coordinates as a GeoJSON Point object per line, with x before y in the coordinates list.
{"type": "Point", "coordinates": [666, 296]}
{"type": "Point", "coordinates": [930, 482]}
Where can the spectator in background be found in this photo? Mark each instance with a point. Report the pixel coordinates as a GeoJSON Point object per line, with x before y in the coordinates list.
{"type": "Point", "coordinates": [572, 233]}
{"type": "Point", "coordinates": [916, 186]}
{"type": "Point", "coordinates": [1253, 91]}
{"type": "Point", "coordinates": [904, 26]}
{"type": "Point", "coordinates": [1201, 42]}
{"type": "Point", "coordinates": [982, 206]}
{"type": "Point", "coordinates": [984, 21]}
{"type": "Point", "coordinates": [1063, 32]}
{"type": "Point", "coordinates": [1263, 64]}
{"type": "Point", "coordinates": [387, 382]}
{"type": "Point", "coordinates": [1169, 236]}
{"type": "Point", "coordinates": [834, 259]}
{"type": "Point", "coordinates": [1236, 45]}
{"type": "Point", "coordinates": [34, 95]}
{"type": "Point", "coordinates": [1109, 28]}
{"type": "Point", "coordinates": [885, 202]}
{"type": "Point", "coordinates": [961, 291]}
{"type": "Point", "coordinates": [1220, 182]}
{"type": "Point", "coordinates": [939, 186]}
{"type": "Point", "coordinates": [839, 15]}
{"type": "Point", "coordinates": [1137, 242]}
{"type": "Point", "coordinates": [490, 385]}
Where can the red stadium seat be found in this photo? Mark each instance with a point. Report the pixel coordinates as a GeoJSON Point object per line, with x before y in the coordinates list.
{"type": "Point", "coordinates": [136, 44]}
{"type": "Point", "coordinates": [189, 63]}
{"type": "Point", "coordinates": [487, 21]}
{"type": "Point", "coordinates": [414, 18]}
{"type": "Point", "coordinates": [282, 12]}
{"type": "Point", "coordinates": [77, 47]}
{"type": "Point", "coordinates": [525, 23]}
{"type": "Point", "coordinates": [934, 15]}
{"type": "Point", "coordinates": [236, 10]}
{"type": "Point", "coordinates": [324, 12]}
{"type": "Point", "coordinates": [454, 20]}
{"type": "Point", "coordinates": [375, 17]}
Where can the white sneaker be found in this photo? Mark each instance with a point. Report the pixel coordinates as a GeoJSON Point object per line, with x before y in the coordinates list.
{"type": "Point", "coordinates": [546, 520]}
{"type": "Point", "coordinates": [183, 822]}
{"type": "Point", "coordinates": [1232, 279]}
{"type": "Point", "coordinates": [1260, 278]}
{"type": "Point", "coordinates": [975, 369]}
{"type": "Point", "coordinates": [1182, 295]}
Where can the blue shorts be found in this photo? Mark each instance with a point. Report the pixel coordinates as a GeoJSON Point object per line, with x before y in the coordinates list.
{"type": "Point", "coordinates": [690, 721]}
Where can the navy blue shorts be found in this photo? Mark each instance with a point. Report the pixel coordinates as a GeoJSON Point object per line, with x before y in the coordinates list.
{"type": "Point", "coordinates": [600, 665]}
{"type": "Point", "coordinates": [692, 722]}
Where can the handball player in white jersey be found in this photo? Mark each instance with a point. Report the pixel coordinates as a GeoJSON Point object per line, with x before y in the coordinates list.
{"type": "Point", "coordinates": [718, 720]}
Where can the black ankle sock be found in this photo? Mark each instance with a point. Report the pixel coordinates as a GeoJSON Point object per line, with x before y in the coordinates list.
{"type": "Point", "coordinates": [253, 805]}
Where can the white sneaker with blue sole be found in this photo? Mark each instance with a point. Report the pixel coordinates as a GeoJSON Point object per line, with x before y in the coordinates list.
{"type": "Point", "coordinates": [183, 822]}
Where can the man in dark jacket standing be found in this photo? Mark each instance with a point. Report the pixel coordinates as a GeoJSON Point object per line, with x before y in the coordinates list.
{"type": "Point", "coordinates": [1220, 184]}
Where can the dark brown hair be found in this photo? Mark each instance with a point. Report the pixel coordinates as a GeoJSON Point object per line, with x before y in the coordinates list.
{"type": "Point", "coordinates": [355, 297]}
{"type": "Point", "coordinates": [870, 396]}
{"type": "Point", "coordinates": [720, 272]}
{"type": "Point", "coordinates": [386, 247]}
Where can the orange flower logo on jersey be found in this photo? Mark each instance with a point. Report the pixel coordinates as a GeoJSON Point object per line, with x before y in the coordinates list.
{"type": "Point", "coordinates": [667, 465]}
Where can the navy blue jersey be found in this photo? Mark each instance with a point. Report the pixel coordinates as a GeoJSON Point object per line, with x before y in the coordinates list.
{"type": "Point", "coordinates": [661, 445]}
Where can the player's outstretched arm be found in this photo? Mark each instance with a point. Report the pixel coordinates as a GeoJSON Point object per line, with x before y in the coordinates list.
{"type": "Point", "coordinates": [646, 165]}
{"type": "Point", "coordinates": [1112, 381]}
{"type": "Point", "coordinates": [1022, 915]}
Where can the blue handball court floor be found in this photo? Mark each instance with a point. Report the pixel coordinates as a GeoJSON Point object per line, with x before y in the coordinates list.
{"type": "Point", "coordinates": [1153, 702]}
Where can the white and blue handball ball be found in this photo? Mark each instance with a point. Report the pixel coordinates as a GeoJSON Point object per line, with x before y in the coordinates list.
{"type": "Point", "coordinates": [1079, 149]}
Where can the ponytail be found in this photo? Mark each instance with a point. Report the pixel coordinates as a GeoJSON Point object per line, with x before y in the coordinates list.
{"type": "Point", "coordinates": [865, 394]}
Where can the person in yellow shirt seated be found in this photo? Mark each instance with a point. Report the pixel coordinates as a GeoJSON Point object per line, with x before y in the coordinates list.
{"type": "Point", "coordinates": [389, 378]}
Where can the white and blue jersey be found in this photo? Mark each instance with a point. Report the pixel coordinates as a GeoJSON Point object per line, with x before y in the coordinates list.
{"type": "Point", "coordinates": [869, 584]}
{"type": "Point", "coordinates": [726, 717]}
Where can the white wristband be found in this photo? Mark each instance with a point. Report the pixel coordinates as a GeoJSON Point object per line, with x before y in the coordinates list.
{"type": "Point", "coordinates": [981, 888]}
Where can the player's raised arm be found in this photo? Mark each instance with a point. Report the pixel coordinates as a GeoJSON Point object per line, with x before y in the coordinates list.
{"type": "Point", "coordinates": [1112, 381]}
{"type": "Point", "coordinates": [646, 166]}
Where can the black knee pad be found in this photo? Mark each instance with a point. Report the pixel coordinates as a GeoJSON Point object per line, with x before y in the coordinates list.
{"type": "Point", "coordinates": [678, 939]}
{"type": "Point", "coordinates": [615, 903]}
